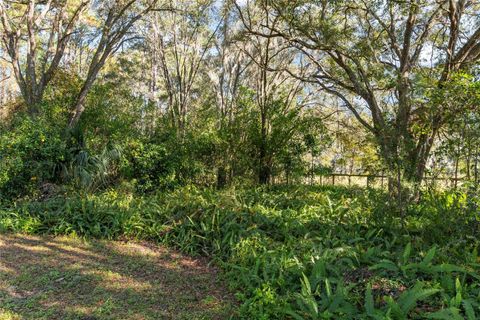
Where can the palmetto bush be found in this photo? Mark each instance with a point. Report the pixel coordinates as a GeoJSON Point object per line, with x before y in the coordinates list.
{"type": "Point", "coordinates": [93, 171]}
{"type": "Point", "coordinates": [86, 169]}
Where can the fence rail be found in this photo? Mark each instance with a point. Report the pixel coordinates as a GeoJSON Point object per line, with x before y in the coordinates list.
{"type": "Point", "coordinates": [379, 180]}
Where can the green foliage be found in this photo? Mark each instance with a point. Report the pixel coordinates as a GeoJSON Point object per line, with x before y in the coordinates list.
{"type": "Point", "coordinates": [86, 170]}
{"type": "Point", "coordinates": [279, 143]}
{"type": "Point", "coordinates": [34, 153]}
{"type": "Point", "coordinates": [150, 165]}
{"type": "Point", "coordinates": [296, 252]}
{"type": "Point", "coordinates": [30, 152]}
{"type": "Point", "coordinates": [462, 143]}
{"type": "Point", "coordinates": [167, 161]}
{"type": "Point", "coordinates": [84, 216]}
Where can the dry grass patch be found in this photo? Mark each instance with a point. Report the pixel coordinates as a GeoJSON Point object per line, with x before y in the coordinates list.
{"type": "Point", "coordinates": [67, 278]}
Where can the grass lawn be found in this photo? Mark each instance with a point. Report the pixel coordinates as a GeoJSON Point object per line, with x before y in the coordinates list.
{"type": "Point", "coordinates": [67, 278]}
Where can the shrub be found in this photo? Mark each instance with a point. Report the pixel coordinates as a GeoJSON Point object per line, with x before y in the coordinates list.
{"type": "Point", "coordinates": [150, 165]}
{"type": "Point", "coordinates": [30, 154]}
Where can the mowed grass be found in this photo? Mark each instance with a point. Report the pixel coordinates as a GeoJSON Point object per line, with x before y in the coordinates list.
{"type": "Point", "coordinates": [68, 278]}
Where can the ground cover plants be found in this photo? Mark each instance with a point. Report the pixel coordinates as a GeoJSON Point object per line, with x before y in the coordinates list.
{"type": "Point", "coordinates": [297, 252]}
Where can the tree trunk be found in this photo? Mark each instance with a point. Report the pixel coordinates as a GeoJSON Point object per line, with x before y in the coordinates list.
{"type": "Point", "coordinates": [476, 167]}
{"type": "Point", "coordinates": [457, 160]}
{"type": "Point", "coordinates": [403, 154]}
{"type": "Point", "coordinates": [79, 106]}
{"type": "Point", "coordinates": [468, 166]}
{"type": "Point", "coordinates": [221, 177]}
{"type": "Point", "coordinates": [312, 169]}
{"type": "Point", "coordinates": [264, 166]}
{"type": "Point", "coordinates": [264, 173]}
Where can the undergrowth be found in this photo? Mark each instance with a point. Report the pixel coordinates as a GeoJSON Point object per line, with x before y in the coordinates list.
{"type": "Point", "coordinates": [297, 252]}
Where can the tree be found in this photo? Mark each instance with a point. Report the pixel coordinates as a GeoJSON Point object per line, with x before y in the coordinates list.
{"type": "Point", "coordinates": [35, 36]}
{"type": "Point", "coordinates": [228, 72]}
{"type": "Point", "coordinates": [460, 138]}
{"type": "Point", "coordinates": [178, 45]}
{"type": "Point", "coordinates": [117, 18]}
{"type": "Point", "coordinates": [277, 93]}
{"type": "Point", "coordinates": [6, 83]}
{"type": "Point", "coordinates": [371, 55]}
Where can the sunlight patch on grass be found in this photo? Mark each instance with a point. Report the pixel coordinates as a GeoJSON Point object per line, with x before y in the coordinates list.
{"type": "Point", "coordinates": [68, 278]}
{"type": "Point", "coordinates": [8, 315]}
{"type": "Point", "coordinates": [113, 280]}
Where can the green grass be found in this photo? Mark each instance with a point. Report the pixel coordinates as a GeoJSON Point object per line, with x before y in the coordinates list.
{"type": "Point", "coordinates": [299, 252]}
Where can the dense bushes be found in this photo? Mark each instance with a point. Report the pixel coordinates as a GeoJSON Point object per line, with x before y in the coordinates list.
{"type": "Point", "coordinates": [34, 153]}
{"type": "Point", "coordinates": [29, 154]}
{"type": "Point", "coordinates": [149, 165]}
{"type": "Point", "coordinates": [167, 161]}
{"type": "Point", "coordinates": [116, 142]}
{"type": "Point", "coordinates": [42, 150]}
{"type": "Point", "coordinates": [302, 253]}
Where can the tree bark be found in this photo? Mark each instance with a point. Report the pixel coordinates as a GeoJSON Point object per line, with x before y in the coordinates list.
{"type": "Point", "coordinates": [221, 177]}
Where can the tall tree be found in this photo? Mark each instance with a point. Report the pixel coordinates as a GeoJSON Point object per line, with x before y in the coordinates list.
{"type": "Point", "coordinates": [117, 17]}
{"type": "Point", "coordinates": [178, 45]}
{"type": "Point", "coordinates": [276, 92]}
{"type": "Point", "coordinates": [35, 35]}
{"type": "Point", "coordinates": [372, 56]}
{"type": "Point", "coordinates": [228, 72]}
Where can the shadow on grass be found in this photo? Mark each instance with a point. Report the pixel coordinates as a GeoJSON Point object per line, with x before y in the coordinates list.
{"type": "Point", "coordinates": [65, 278]}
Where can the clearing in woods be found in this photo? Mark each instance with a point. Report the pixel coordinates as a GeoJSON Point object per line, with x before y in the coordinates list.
{"type": "Point", "coordinates": [68, 278]}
